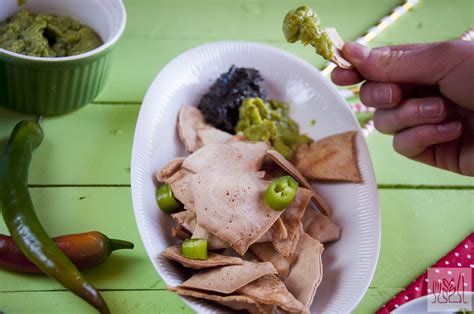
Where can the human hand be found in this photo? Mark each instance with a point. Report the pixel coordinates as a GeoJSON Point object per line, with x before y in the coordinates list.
{"type": "Point", "coordinates": [423, 95]}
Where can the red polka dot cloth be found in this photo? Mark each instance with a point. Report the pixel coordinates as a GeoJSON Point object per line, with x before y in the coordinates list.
{"type": "Point", "coordinates": [462, 256]}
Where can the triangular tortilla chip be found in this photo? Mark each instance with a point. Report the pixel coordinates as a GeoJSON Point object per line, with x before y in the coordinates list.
{"type": "Point", "coordinates": [178, 232]}
{"type": "Point", "coordinates": [214, 259]}
{"type": "Point", "coordinates": [276, 232]}
{"type": "Point", "coordinates": [235, 302]}
{"type": "Point", "coordinates": [228, 279]}
{"type": "Point", "coordinates": [169, 169]}
{"type": "Point", "coordinates": [235, 156]}
{"type": "Point", "coordinates": [211, 135]}
{"type": "Point", "coordinates": [319, 226]}
{"type": "Point", "coordinates": [267, 253]}
{"type": "Point", "coordinates": [272, 170]}
{"type": "Point", "coordinates": [295, 173]}
{"type": "Point", "coordinates": [291, 218]}
{"type": "Point", "coordinates": [332, 158]}
{"type": "Point", "coordinates": [180, 184]}
{"type": "Point", "coordinates": [338, 43]}
{"type": "Point", "coordinates": [271, 290]}
{"type": "Point", "coordinates": [230, 205]}
{"type": "Point", "coordinates": [190, 120]}
{"type": "Point", "coordinates": [248, 256]}
{"type": "Point", "coordinates": [186, 219]}
{"type": "Point", "coordinates": [307, 272]}
{"type": "Point", "coordinates": [213, 242]}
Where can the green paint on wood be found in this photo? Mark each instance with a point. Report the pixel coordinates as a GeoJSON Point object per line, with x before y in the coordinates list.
{"type": "Point", "coordinates": [163, 302]}
{"type": "Point", "coordinates": [75, 210]}
{"type": "Point", "coordinates": [425, 211]}
{"type": "Point", "coordinates": [392, 168]}
{"type": "Point", "coordinates": [414, 224]}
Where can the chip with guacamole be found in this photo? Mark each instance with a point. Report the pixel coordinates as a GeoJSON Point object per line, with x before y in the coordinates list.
{"type": "Point", "coordinates": [303, 24]}
{"type": "Point", "coordinates": [46, 35]}
{"type": "Point", "coordinates": [270, 122]}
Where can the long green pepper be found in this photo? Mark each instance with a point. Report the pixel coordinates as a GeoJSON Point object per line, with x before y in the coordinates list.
{"type": "Point", "coordinates": [20, 217]}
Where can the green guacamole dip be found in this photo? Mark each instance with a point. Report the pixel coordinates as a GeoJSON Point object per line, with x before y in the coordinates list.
{"type": "Point", "coordinates": [303, 24]}
{"type": "Point", "coordinates": [270, 122]}
{"type": "Point", "coordinates": [46, 35]}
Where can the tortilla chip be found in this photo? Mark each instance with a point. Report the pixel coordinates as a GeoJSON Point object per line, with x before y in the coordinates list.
{"type": "Point", "coordinates": [271, 290]}
{"type": "Point", "coordinates": [295, 173]}
{"type": "Point", "coordinates": [248, 256]}
{"type": "Point", "coordinates": [267, 253]}
{"type": "Point", "coordinates": [239, 137]}
{"type": "Point", "coordinates": [230, 205]}
{"type": "Point", "coordinates": [190, 120]}
{"type": "Point", "coordinates": [307, 272]}
{"type": "Point", "coordinates": [213, 242]}
{"type": "Point", "coordinates": [332, 158]}
{"type": "Point", "coordinates": [276, 232]}
{"type": "Point", "coordinates": [186, 219]}
{"type": "Point", "coordinates": [214, 260]}
{"type": "Point", "coordinates": [320, 227]}
{"type": "Point", "coordinates": [228, 279]}
{"type": "Point", "coordinates": [272, 170]}
{"type": "Point", "coordinates": [235, 302]}
{"type": "Point", "coordinates": [180, 184]}
{"type": "Point", "coordinates": [214, 136]}
{"type": "Point", "coordinates": [338, 43]}
{"type": "Point", "coordinates": [236, 156]}
{"type": "Point", "coordinates": [291, 218]}
{"type": "Point", "coordinates": [169, 169]}
{"type": "Point", "coordinates": [180, 233]}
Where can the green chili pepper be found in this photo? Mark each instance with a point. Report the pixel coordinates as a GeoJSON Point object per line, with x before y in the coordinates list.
{"type": "Point", "coordinates": [22, 222]}
{"type": "Point", "coordinates": [194, 249]}
{"type": "Point", "coordinates": [281, 193]}
{"type": "Point", "coordinates": [166, 200]}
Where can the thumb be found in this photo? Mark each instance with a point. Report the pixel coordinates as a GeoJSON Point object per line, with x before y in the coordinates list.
{"type": "Point", "coordinates": [423, 64]}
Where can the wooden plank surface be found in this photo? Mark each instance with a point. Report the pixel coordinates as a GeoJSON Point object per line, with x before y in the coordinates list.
{"type": "Point", "coordinates": [93, 147]}
{"type": "Point", "coordinates": [159, 30]}
{"type": "Point", "coordinates": [80, 174]}
{"type": "Point", "coordinates": [126, 301]}
{"type": "Point", "coordinates": [413, 237]}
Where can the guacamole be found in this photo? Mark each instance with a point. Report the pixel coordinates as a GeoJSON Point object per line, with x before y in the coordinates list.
{"type": "Point", "coordinates": [303, 24]}
{"type": "Point", "coordinates": [46, 35]}
{"type": "Point", "coordinates": [270, 122]}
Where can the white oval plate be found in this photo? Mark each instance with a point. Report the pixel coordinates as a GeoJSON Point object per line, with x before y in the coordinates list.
{"type": "Point", "coordinates": [349, 263]}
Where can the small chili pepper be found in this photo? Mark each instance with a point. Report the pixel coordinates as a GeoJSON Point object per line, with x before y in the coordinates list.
{"type": "Point", "coordinates": [21, 220]}
{"type": "Point", "coordinates": [194, 249]}
{"type": "Point", "coordinates": [83, 249]}
{"type": "Point", "coordinates": [281, 193]}
{"type": "Point", "coordinates": [166, 200]}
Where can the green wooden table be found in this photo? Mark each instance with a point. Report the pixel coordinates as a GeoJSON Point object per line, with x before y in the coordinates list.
{"type": "Point", "coordinates": [80, 176]}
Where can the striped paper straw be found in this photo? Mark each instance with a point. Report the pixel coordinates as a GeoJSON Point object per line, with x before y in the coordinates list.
{"type": "Point", "coordinates": [383, 24]}
{"type": "Point", "coordinates": [369, 127]}
{"type": "Point", "coordinates": [468, 35]}
{"type": "Point", "coordinates": [360, 108]}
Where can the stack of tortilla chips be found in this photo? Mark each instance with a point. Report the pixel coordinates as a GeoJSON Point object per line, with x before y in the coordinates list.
{"type": "Point", "coordinates": [260, 259]}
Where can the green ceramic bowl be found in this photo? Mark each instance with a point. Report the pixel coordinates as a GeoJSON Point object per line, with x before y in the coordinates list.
{"type": "Point", "coordinates": [51, 86]}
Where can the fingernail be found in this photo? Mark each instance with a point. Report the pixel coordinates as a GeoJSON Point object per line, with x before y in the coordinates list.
{"type": "Point", "coordinates": [431, 109]}
{"type": "Point", "coordinates": [383, 94]}
{"type": "Point", "coordinates": [449, 128]}
{"type": "Point", "coordinates": [356, 52]}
